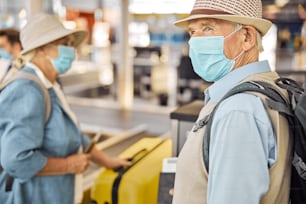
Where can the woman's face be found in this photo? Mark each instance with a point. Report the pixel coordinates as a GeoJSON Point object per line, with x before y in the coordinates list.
{"type": "Point", "coordinates": [44, 55]}
{"type": "Point", "coordinates": [51, 48]}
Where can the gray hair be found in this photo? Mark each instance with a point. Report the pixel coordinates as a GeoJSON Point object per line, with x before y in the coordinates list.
{"type": "Point", "coordinates": [259, 41]}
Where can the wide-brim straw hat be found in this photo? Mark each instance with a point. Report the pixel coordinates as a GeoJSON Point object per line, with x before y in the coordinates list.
{"type": "Point", "coordinates": [43, 29]}
{"type": "Point", "coordinates": [246, 12]}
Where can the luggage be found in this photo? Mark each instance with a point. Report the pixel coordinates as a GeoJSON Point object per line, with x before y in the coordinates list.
{"type": "Point", "coordinates": [138, 183]}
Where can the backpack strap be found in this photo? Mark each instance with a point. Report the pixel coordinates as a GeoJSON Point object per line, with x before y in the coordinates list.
{"type": "Point", "coordinates": [33, 77]}
{"type": "Point", "coordinates": [275, 100]}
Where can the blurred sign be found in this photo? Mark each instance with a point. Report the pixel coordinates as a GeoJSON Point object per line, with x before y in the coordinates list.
{"type": "Point", "coordinates": [161, 6]}
{"type": "Point", "coordinates": [88, 5]}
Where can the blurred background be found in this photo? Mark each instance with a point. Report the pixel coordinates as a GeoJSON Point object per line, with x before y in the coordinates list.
{"type": "Point", "coordinates": [133, 77]}
{"type": "Point", "coordinates": [135, 56]}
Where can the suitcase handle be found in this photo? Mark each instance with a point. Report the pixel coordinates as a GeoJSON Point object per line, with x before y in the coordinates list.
{"type": "Point", "coordinates": [138, 155]}
{"type": "Point", "coordinates": [134, 158]}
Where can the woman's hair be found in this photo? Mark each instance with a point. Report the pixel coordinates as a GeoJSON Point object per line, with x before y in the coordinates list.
{"type": "Point", "coordinates": [21, 61]}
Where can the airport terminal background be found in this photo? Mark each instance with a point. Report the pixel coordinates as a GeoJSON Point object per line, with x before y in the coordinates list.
{"type": "Point", "coordinates": [131, 91]}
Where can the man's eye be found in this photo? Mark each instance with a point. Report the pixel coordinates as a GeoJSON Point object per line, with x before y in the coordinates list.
{"type": "Point", "coordinates": [191, 32]}
{"type": "Point", "coordinates": [206, 29]}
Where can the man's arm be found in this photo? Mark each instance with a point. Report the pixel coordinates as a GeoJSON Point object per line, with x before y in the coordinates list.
{"type": "Point", "coordinates": [241, 143]}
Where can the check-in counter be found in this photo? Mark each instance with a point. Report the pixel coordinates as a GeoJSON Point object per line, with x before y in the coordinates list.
{"type": "Point", "coordinates": [182, 120]}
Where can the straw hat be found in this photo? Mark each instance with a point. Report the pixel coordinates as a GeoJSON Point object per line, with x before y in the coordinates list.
{"type": "Point", "coordinates": [246, 12]}
{"type": "Point", "coordinates": [42, 29]}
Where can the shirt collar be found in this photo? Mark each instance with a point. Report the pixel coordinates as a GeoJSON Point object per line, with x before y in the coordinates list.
{"type": "Point", "coordinates": [222, 86]}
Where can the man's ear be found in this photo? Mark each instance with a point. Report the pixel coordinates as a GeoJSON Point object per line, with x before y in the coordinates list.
{"type": "Point", "coordinates": [250, 37]}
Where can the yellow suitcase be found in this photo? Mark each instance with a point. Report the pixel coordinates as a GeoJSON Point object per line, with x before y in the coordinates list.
{"type": "Point", "coordinates": [138, 183]}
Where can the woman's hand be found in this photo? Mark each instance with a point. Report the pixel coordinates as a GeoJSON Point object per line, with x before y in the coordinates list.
{"type": "Point", "coordinates": [101, 158]}
{"type": "Point", "coordinates": [73, 164]}
{"type": "Point", "coordinates": [113, 163]}
{"type": "Point", "coordinates": [77, 163]}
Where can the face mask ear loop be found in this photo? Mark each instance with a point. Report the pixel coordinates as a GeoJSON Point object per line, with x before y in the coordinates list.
{"type": "Point", "coordinates": [240, 27]}
{"type": "Point", "coordinates": [234, 60]}
{"type": "Point", "coordinates": [238, 55]}
{"type": "Point", "coordinates": [233, 32]}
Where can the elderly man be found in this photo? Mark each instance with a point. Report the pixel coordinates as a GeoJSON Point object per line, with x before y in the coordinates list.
{"type": "Point", "coordinates": [248, 156]}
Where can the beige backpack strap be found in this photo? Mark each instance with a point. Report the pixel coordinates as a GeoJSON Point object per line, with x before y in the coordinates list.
{"type": "Point", "coordinates": [33, 77]}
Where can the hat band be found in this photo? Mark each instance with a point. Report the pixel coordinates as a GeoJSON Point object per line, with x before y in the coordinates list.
{"type": "Point", "coordinates": [208, 12]}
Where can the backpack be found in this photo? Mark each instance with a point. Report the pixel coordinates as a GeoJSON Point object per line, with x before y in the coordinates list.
{"type": "Point", "coordinates": [295, 112]}
{"type": "Point", "coordinates": [47, 100]}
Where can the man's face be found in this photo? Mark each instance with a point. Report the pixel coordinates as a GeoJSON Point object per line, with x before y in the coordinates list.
{"type": "Point", "coordinates": [5, 44]}
{"type": "Point", "coordinates": [13, 49]}
{"type": "Point", "coordinates": [206, 27]}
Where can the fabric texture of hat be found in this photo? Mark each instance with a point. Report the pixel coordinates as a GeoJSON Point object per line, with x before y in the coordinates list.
{"type": "Point", "coordinates": [246, 12]}
{"type": "Point", "coordinates": [44, 28]}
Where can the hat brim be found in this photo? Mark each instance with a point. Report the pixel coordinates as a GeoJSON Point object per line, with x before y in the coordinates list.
{"type": "Point", "coordinates": [79, 36]}
{"type": "Point", "coordinates": [260, 24]}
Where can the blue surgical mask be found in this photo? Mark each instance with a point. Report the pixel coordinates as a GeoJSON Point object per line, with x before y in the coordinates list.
{"type": "Point", "coordinates": [5, 55]}
{"type": "Point", "coordinates": [63, 62]}
{"type": "Point", "coordinates": [208, 59]}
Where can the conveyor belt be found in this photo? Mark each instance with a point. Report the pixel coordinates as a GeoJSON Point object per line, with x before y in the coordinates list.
{"type": "Point", "coordinates": [157, 123]}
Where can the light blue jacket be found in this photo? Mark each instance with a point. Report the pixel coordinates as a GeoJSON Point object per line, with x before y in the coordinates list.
{"type": "Point", "coordinates": [26, 143]}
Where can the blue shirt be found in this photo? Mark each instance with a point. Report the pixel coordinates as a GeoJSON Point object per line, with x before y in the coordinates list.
{"type": "Point", "coordinates": [242, 146]}
{"type": "Point", "coordinates": [26, 142]}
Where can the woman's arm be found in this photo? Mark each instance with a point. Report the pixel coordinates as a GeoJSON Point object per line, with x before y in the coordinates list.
{"type": "Point", "coordinates": [73, 164]}
{"type": "Point", "coordinates": [101, 158]}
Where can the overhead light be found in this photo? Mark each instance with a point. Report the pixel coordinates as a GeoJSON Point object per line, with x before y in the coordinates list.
{"type": "Point", "coordinates": [281, 3]}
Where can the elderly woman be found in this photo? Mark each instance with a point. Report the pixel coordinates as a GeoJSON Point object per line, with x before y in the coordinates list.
{"type": "Point", "coordinates": [43, 157]}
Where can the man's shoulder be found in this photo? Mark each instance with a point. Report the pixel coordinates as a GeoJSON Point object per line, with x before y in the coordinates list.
{"type": "Point", "coordinates": [243, 102]}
